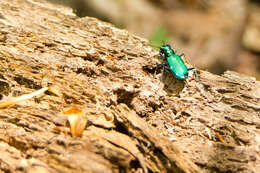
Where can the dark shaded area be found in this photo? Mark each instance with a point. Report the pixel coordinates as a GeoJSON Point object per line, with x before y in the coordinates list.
{"type": "Point", "coordinates": [150, 69]}
{"type": "Point", "coordinates": [26, 82]}
{"type": "Point", "coordinates": [125, 97]}
{"type": "Point", "coordinates": [4, 88]}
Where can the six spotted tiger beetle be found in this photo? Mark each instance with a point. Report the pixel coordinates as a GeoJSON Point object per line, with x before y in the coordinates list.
{"type": "Point", "coordinates": [174, 63]}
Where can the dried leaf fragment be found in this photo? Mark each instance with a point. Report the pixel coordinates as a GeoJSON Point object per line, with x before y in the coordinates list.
{"type": "Point", "coordinates": [77, 120]}
{"type": "Point", "coordinates": [14, 100]}
{"type": "Point", "coordinates": [62, 129]}
{"type": "Point", "coordinates": [220, 138]}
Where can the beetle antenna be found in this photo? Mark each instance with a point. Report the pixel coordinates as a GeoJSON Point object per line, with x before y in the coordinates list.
{"type": "Point", "coordinates": [163, 42]}
{"type": "Point", "coordinates": [154, 46]}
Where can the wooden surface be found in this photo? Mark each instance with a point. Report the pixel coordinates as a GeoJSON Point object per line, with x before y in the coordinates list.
{"type": "Point", "coordinates": [138, 121]}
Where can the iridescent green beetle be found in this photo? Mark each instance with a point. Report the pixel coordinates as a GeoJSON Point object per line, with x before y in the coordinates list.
{"type": "Point", "coordinates": [174, 63]}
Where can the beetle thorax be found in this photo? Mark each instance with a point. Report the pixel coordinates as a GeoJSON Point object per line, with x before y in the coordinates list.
{"type": "Point", "coordinates": [167, 50]}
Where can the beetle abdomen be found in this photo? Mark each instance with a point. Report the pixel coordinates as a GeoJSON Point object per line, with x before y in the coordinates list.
{"type": "Point", "coordinates": [177, 67]}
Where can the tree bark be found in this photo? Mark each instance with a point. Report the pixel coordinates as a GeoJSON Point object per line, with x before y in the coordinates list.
{"type": "Point", "coordinates": [138, 121]}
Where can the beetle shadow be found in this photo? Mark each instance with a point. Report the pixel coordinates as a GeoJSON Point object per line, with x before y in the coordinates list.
{"type": "Point", "coordinates": [172, 85]}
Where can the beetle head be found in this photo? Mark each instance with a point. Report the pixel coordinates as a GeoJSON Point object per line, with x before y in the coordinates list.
{"type": "Point", "coordinates": [166, 51]}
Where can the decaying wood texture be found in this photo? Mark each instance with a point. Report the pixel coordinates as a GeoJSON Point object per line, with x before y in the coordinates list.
{"type": "Point", "coordinates": [137, 121]}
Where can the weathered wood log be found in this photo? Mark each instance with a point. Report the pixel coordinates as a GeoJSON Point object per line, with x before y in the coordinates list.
{"type": "Point", "coordinates": [136, 122]}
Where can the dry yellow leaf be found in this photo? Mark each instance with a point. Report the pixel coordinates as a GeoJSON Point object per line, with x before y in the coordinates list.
{"type": "Point", "coordinates": [77, 120]}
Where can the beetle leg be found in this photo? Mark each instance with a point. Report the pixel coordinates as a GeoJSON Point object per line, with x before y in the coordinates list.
{"type": "Point", "coordinates": [161, 77]}
{"type": "Point", "coordinates": [167, 68]}
{"type": "Point", "coordinates": [159, 65]}
{"type": "Point", "coordinates": [196, 73]}
{"type": "Point", "coordinates": [197, 76]}
{"type": "Point", "coordinates": [162, 55]}
{"type": "Point", "coordinates": [181, 54]}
